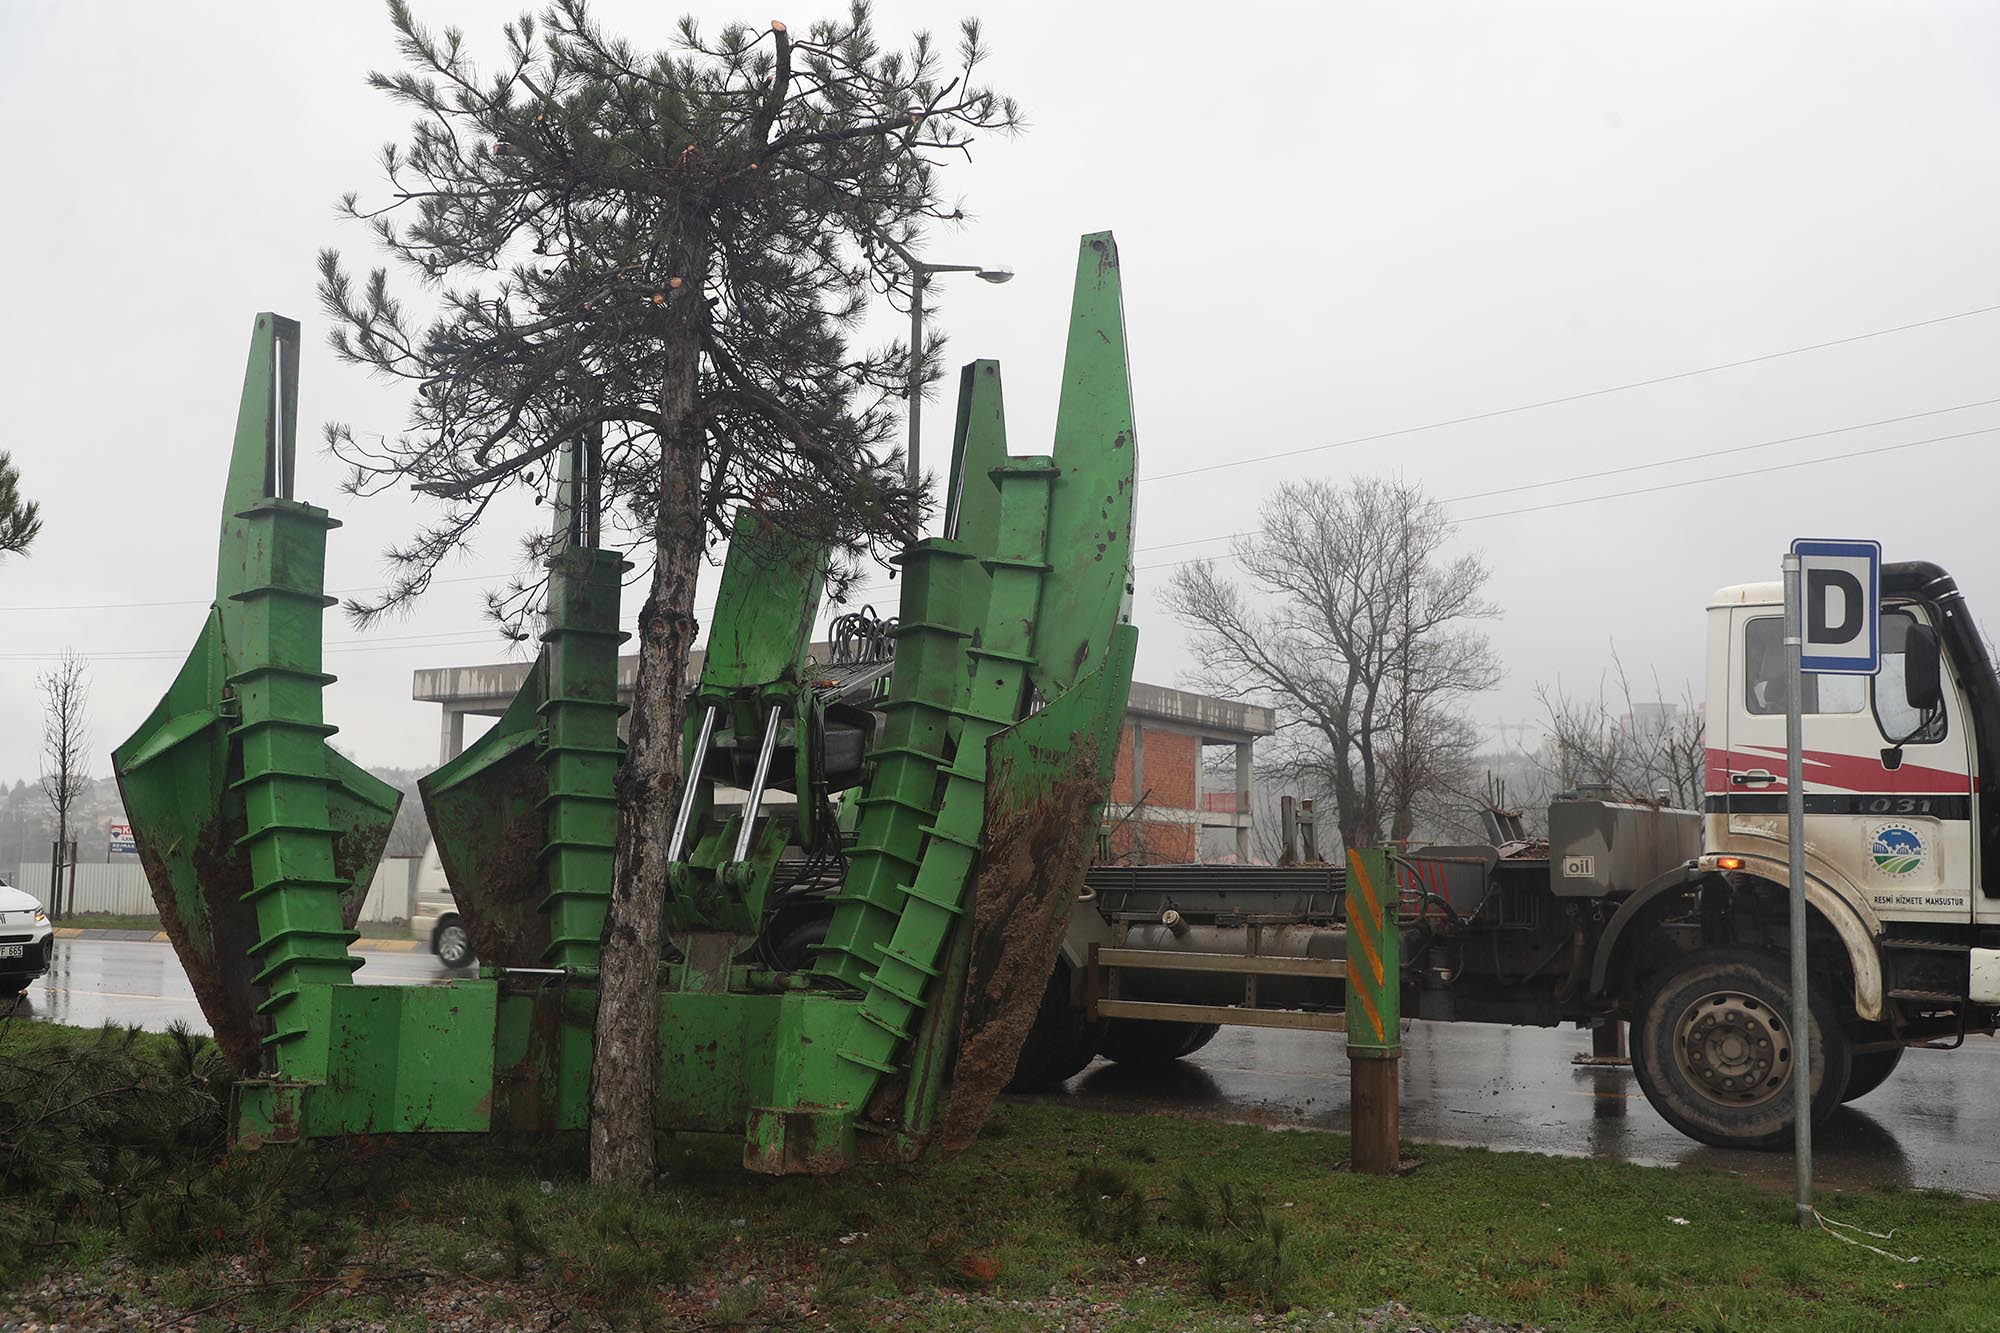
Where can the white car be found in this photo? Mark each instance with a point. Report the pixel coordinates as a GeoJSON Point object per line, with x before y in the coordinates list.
{"type": "Point", "coordinates": [26, 940]}
{"type": "Point", "coordinates": [437, 915]}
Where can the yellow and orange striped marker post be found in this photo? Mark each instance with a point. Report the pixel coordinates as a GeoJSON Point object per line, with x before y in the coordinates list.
{"type": "Point", "coordinates": [1374, 1011]}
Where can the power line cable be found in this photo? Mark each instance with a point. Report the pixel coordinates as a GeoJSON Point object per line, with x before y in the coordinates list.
{"type": "Point", "coordinates": [1721, 453]}
{"type": "Point", "coordinates": [205, 601]}
{"type": "Point", "coordinates": [1572, 397]}
{"type": "Point", "coordinates": [391, 643]}
{"type": "Point", "coordinates": [1733, 476]}
{"type": "Point", "coordinates": [1663, 486]}
{"type": "Point", "coordinates": [1638, 467]}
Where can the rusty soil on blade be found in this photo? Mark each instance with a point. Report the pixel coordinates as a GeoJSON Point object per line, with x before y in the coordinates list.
{"type": "Point", "coordinates": [1034, 862]}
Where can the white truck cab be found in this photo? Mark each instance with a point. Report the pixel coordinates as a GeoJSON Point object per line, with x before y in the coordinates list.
{"type": "Point", "coordinates": [1902, 873]}
{"type": "Point", "coordinates": [1891, 786]}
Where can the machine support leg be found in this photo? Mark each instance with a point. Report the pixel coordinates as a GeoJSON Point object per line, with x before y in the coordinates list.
{"type": "Point", "coordinates": [1374, 1011]}
{"type": "Point", "coordinates": [1607, 1046]}
{"type": "Point", "coordinates": [1376, 1112]}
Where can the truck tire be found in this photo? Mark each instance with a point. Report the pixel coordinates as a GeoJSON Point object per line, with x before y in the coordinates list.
{"type": "Point", "coordinates": [1060, 1043]}
{"type": "Point", "coordinates": [1869, 1070]}
{"type": "Point", "coordinates": [1143, 1041]}
{"type": "Point", "coordinates": [1711, 1046]}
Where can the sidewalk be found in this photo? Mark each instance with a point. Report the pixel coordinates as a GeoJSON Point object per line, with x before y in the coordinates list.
{"type": "Point", "coordinates": [362, 945]}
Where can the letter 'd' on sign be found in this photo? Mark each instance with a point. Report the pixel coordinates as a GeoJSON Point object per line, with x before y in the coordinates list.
{"type": "Point", "coordinates": [1841, 586]}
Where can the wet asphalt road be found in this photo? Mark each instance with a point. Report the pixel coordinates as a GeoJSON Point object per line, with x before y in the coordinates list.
{"type": "Point", "coordinates": [138, 981]}
{"type": "Point", "coordinates": [1934, 1124]}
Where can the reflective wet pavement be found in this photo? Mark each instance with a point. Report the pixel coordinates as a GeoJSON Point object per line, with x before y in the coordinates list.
{"type": "Point", "coordinates": [1934, 1124]}
{"type": "Point", "coordinates": [140, 981]}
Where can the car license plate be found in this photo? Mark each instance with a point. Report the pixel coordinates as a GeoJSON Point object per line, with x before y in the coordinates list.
{"type": "Point", "coordinates": [13, 951]}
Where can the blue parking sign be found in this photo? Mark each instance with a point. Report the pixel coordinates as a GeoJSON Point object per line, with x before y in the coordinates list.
{"type": "Point", "coordinates": [1840, 623]}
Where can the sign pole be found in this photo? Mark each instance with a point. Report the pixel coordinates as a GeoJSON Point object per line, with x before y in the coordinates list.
{"type": "Point", "coordinates": [1795, 828]}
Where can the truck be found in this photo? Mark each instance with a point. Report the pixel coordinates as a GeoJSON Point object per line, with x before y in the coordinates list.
{"type": "Point", "coordinates": [1674, 921]}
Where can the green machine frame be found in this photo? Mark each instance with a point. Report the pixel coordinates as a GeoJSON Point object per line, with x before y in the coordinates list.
{"type": "Point", "coordinates": [971, 766]}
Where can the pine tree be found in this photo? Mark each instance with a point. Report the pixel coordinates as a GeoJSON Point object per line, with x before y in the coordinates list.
{"type": "Point", "coordinates": [671, 249]}
{"type": "Point", "coordinates": [20, 519]}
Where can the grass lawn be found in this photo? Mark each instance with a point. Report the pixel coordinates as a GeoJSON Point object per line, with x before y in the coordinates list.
{"type": "Point", "coordinates": [1055, 1218]}
{"type": "Point", "coordinates": [109, 921]}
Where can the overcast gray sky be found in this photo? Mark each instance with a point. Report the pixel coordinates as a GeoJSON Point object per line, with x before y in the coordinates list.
{"type": "Point", "coordinates": [1336, 220]}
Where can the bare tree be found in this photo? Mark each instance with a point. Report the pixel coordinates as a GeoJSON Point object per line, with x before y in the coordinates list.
{"type": "Point", "coordinates": [1358, 632]}
{"type": "Point", "coordinates": [1644, 749]}
{"type": "Point", "coordinates": [65, 755]}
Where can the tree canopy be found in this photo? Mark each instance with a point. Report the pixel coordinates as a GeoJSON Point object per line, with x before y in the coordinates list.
{"type": "Point", "coordinates": [674, 247]}
{"type": "Point", "coordinates": [20, 517]}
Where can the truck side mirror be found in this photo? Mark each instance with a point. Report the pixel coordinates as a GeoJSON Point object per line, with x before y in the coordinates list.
{"type": "Point", "coordinates": [1923, 687]}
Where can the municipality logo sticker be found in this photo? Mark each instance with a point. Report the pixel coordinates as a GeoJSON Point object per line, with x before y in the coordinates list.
{"type": "Point", "coordinates": [1897, 850]}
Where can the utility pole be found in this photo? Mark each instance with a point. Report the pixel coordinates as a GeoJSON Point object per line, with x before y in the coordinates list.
{"type": "Point", "coordinates": [920, 279]}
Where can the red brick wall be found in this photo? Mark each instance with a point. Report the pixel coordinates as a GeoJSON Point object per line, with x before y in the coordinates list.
{"type": "Point", "coordinates": [1121, 776]}
{"type": "Point", "coordinates": [1140, 843]}
{"type": "Point", "coordinates": [1169, 770]}
{"type": "Point", "coordinates": [1167, 831]}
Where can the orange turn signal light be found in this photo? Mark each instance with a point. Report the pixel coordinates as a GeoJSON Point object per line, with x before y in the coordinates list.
{"type": "Point", "coordinates": [1728, 863]}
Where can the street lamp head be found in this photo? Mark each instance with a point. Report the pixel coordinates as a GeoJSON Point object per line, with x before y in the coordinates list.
{"type": "Point", "coordinates": [996, 275]}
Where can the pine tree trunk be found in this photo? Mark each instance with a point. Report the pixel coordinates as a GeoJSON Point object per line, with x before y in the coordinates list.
{"type": "Point", "coordinates": [625, 1068]}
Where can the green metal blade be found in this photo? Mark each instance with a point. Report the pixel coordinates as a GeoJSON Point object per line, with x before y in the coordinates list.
{"type": "Point", "coordinates": [258, 840]}
{"type": "Point", "coordinates": [1047, 780]}
{"type": "Point", "coordinates": [979, 444]}
{"type": "Point", "coordinates": [752, 673]}
{"type": "Point", "coordinates": [1059, 581]}
{"type": "Point", "coordinates": [483, 808]}
{"type": "Point", "coordinates": [1091, 509]}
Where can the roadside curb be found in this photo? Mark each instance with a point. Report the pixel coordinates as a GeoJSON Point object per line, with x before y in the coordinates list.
{"type": "Point", "coordinates": [363, 945]}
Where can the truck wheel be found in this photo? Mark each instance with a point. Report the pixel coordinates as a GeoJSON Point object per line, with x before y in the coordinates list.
{"type": "Point", "coordinates": [1145, 1041]}
{"type": "Point", "coordinates": [1712, 1048]}
{"type": "Point", "coordinates": [1060, 1043]}
{"type": "Point", "coordinates": [1869, 1071]}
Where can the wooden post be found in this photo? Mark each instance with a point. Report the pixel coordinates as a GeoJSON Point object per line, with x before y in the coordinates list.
{"type": "Point", "coordinates": [1374, 1012]}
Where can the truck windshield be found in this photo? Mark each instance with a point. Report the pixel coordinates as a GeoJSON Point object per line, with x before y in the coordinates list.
{"type": "Point", "coordinates": [1764, 686]}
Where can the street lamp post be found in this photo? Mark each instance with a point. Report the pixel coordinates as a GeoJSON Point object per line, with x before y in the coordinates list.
{"type": "Point", "coordinates": [920, 275]}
